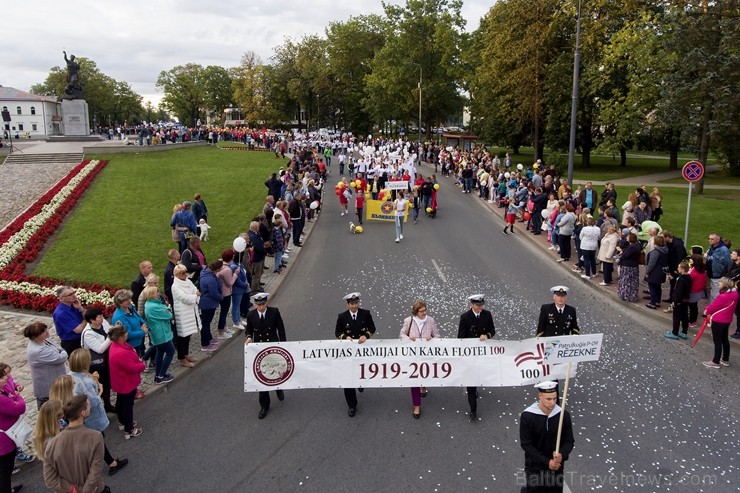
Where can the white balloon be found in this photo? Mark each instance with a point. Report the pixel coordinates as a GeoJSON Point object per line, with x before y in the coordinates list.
{"type": "Point", "coordinates": [314, 205]}
{"type": "Point", "coordinates": [240, 244]}
{"type": "Point", "coordinates": [520, 166]}
{"type": "Point", "coordinates": [507, 175]}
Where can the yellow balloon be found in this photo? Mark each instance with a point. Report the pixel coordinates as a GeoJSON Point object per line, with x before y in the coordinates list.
{"type": "Point", "coordinates": [358, 183]}
{"type": "Point", "coordinates": [352, 184]}
{"type": "Point", "coordinates": [409, 204]}
{"type": "Point", "coordinates": [339, 184]}
{"type": "Point", "coordinates": [358, 229]}
{"type": "Point", "coordinates": [429, 210]}
{"type": "Point", "coordinates": [367, 196]}
{"type": "Point", "coordinates": [368, 187]}
{"type": "Point", "coordinates": [535, 165]}
{"type": "Point", "coordinates": [436, 186]}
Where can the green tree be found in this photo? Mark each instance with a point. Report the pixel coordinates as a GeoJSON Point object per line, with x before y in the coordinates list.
{"type": "Point", "coordinates": [184, 92]}
{"type": "Point", "coordinates": [351, 46]}
{"type": "Point", "coordinates": [218, 92]}
{"type": "Point", "coordinates": [422, 36]}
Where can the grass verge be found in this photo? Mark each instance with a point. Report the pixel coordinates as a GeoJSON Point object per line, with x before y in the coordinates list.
{"type": "Point", "coordinates": [124, 217]}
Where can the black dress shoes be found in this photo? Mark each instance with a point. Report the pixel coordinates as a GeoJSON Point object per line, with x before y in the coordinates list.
{"type": "Point", "coordinates": [473, 416]}
{"type": "Point", "coordinates": [361, 390]}
{"type": "Point", "coordinates": [351, 412]}
{"type": "Point", "coordinates": [263, 413]}
{"type": "Point", "coordinates": [280, 395]}
{"type": "Point", "coordinates": [121, 464]}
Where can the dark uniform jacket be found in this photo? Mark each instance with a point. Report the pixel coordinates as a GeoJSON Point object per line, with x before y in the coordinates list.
{"type": "Point", "coordinates": [271, 329]}
{"type": "Point", "coordinates": [538, 434]}
{"type": "Point", "coordinates": [552, 323]}
{"type": "Point", "coordinates": [363, 326]}
{"type": "Point", "coordinates": [470, 326]}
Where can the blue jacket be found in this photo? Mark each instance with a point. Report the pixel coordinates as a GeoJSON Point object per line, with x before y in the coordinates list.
{"type": "Point", "coordinates": [241, 286]}
{"type": "Point", "coordinates": [184, 218]}
{"type": "Point", "coordinates": [718, 258]}
{"type": "Point", "coordinates": [133, 322]}
{"type": "Point", "coordinates": [210, 290]}
{"type": "Point", "coordinates": [85, 385]}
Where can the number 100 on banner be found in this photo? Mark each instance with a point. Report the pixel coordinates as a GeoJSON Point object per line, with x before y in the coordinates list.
{"type": "Point", "coordinates": [396, 363]}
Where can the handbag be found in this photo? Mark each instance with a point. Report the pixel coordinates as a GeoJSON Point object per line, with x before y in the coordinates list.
{"type": "Point", "coordinates": [19, 432]}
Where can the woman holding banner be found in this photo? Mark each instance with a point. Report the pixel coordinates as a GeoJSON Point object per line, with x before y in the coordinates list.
{"type": "Point", "coordinates": [418, 325]}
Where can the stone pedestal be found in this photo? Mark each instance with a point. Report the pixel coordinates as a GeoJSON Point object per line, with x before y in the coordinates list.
{"type": "Point", "coordinates": [76, 117]}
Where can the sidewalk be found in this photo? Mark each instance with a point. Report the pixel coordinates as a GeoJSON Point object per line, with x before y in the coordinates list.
{"type": "Point", "coordinates": [13, 344]}
{"type": "Point", "coordinates": [664, 321]}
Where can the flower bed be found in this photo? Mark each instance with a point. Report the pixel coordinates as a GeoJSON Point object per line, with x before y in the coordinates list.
{"type": "Point", "coordinates": [24, 238]}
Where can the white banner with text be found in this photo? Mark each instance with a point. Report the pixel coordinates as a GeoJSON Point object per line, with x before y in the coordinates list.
{"type": "Point", "coordinates": [397, 363]}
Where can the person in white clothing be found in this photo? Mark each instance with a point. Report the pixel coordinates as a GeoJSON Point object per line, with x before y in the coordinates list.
{"type": "Point", "coordinates": [204, 228]}
{"type": "Point", "coordinates": [400, 205]}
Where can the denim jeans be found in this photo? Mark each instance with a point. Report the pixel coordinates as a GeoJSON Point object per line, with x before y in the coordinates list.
{"type": "Point", "coordinates": [468, 184]}
{"type": "Point", "coordinates": [278, 259]}
{"type": "Point", "coordinates": [589, 262]}
{"type": "Point", "coordinates": [236, 301]}
{"type": "Point", "coordinates": [165, 353]}
{"type": "Point", "coordinates": [399, 226]}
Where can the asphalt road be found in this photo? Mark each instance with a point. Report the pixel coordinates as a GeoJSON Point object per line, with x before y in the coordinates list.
{"type": "Point", "coordinates": [647, 416]}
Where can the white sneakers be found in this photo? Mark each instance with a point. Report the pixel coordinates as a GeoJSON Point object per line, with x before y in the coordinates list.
{"type": "Point", "coordinates": [397, 240]}
{"type": "Point", "coordinates": [400, 236]}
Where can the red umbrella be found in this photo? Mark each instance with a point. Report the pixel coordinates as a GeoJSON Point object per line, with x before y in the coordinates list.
{"type": "Point", "coordinates": [707, 321]}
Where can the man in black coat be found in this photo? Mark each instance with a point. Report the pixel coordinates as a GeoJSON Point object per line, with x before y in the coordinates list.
{"type": "Point", "coordinates": [538, 430]}
{"type": "Point", "coordinates": [475, 323]}
{"type": "Point", "coordinates": [274, 186]}
{"type": "Point", "coordinates": [264, 324]}
{"type": "Point", "coordinates": [539, 199]}
{"type": "Point", "coordinates": [557, 318]}
{"type": "Point", "coordinates": [354, 323]}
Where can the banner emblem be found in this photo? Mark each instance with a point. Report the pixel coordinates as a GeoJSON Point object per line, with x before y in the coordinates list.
{"type": "Point", "coordinates": [273, 366]}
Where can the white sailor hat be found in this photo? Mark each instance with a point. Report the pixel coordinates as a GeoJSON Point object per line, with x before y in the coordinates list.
{"type": "Point", "coordinates": [352, 297]}
{"type": "Point", "coordinates": [260, 298]}
{"type": "Point", "coordinates": [478, 299]}
{"type": "Point", "coordinates": [561, 290]}
{"type": "Point", "coordinates": [547, 386]}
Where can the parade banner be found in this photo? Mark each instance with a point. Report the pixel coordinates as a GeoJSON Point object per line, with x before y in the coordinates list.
{"type": "Point", "coordinates": [381, 210]}
{"type": "Point", "coordinates": [397, 363]}
{"type": "Point", "coordinates": [396, 185]}
{"type": "Point", "coordinates": [571, 349]}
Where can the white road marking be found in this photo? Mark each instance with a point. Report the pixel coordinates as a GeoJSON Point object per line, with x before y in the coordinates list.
{"type": "Point", "coordinates": [439, 271]}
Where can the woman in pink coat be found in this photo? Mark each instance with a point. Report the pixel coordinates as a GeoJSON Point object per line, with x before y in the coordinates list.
{"type": "Point", "coordinates": [12, 407]}
{"type": "Point", "coordinates": [418, 326]}
{"type": "Point", "coordinates": [720, 314]}
{"type": "Point", "coordinates": [125, 377]}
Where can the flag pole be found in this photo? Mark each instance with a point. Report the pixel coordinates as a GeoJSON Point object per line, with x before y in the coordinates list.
{"type": "Point", "coordinates": [562, 410]}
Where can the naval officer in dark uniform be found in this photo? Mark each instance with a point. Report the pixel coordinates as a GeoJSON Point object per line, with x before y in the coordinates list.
{"type": "Point", "coordinates": [264, 324]}
{"type": "Point", "coordinates": [557, 318]}
{"type": "Point", "coordinates": [354, 323]}
{"type": "Point", "coordinates": [475, 323]}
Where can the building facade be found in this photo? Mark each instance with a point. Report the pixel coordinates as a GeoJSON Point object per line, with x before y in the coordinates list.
{"type": "Point", "coordinates": [31, 116]}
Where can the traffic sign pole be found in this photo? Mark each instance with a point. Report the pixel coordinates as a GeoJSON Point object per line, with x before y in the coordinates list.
{"type": "Point", "coordinates": [692, 171]}
{"type": "Point", "coordinates": [688, 213]}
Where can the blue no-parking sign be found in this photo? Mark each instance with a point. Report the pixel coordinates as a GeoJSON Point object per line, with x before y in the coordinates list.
{"type": "Point", "coordinates": [693, 171]}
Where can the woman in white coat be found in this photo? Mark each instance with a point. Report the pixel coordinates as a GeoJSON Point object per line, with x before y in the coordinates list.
{"type": "Point", "coordinates": [185, 298]}
{"type": "Point", "coordinates": [419, 325]}
{"type": "Point", "coordinates": [606, 254]}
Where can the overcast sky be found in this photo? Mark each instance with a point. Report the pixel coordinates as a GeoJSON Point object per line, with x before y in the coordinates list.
{"type": "Point", "coordinates": [134, 41]}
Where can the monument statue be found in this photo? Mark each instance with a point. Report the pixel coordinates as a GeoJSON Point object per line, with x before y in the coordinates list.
{"type": "Point", "coordinates": [74, 87]}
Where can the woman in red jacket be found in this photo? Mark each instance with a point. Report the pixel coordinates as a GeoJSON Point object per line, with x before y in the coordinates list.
{"type": "Point", "coordinates": [125, 377]}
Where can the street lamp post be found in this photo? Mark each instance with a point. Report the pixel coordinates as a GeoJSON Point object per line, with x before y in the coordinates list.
{"type": "Point", "coordinates": [419, 86]}
{"type": "Point", "coordinates": [574, 96]}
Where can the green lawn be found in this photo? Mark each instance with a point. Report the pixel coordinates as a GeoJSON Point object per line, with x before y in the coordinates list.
{"type": "Point", "coordinates": [124, 217]}
{"type": "Point", "coordinates": [713, 211]}
{"type": "Point", "coordinates": [603, 167]}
